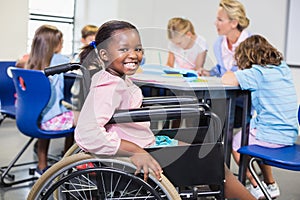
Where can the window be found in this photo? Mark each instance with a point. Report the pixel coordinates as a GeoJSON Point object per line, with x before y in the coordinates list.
{"type": "Point", "coordinates": [53, 12]}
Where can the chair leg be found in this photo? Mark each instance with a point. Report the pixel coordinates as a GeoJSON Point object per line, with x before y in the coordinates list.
{"type": "Point", "coordinates": [13, 164]}
{"type": "Point", "coordinates": [2, 118]}
{"type": "Point", "coordinates": [255, 176]}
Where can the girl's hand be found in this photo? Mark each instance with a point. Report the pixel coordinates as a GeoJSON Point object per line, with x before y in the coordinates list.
{"type": "Point", "coordinates": [144, 161]}
{"type": "Point", "coordinates": [140, 158]}
{"type": "Point", "coordinates": [203, 72]}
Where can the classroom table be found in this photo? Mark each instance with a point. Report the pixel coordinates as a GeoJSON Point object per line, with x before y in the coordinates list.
{"type": "Point", "coordinates": [209, 90]}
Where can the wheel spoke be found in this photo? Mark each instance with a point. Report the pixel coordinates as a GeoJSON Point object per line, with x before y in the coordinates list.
{"type": "Point", "coordinates": [107, 179]}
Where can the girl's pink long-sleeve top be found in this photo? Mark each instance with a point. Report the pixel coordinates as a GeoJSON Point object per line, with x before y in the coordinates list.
{"type": "Point", "coordinates": [107, 94]}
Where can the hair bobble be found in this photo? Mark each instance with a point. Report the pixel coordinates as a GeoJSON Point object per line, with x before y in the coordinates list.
{"type": "Point", "coordinates": [93, 44]}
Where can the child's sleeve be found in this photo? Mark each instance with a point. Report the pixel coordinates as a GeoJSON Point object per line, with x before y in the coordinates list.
{"type": "Point", "coordinates": [248, 79]}
{"type": "Point", "coordinates": [100, 105]}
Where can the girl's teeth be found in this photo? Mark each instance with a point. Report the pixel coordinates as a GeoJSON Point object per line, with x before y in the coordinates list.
{"type": "Point", "coordinates": [130, 65]}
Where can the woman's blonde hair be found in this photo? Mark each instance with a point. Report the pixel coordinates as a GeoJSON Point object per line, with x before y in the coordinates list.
{"type": "Point", "coordinates": [179, 25]}
{"type": "Point", "coordinates": [256, 50]}
{"type": "Point", "coordinates": [236, 11]}
{"type": "Point", "coordinates": [45, 41]}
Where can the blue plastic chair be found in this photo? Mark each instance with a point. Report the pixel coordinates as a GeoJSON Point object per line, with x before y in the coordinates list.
{"type": "Point", "coordinates": [7, 92]}
{"type": "Point", "coordinates": [33, 93]}
{"type": "Point", "coordinates": [286, 158]}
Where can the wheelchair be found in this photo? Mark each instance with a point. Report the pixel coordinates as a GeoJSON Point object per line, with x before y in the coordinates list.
{"type": "Point", "coordinates": [189, 171]}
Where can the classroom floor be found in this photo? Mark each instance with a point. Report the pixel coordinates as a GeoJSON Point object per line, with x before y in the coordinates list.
{"type": "Point", "coordinates": [12, 140]}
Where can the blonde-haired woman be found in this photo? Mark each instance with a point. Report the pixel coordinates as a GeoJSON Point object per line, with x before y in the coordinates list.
{"type": "Point", "coordinates": [231, 24]}
{"type": "Point", "coordinates": [186, 48]}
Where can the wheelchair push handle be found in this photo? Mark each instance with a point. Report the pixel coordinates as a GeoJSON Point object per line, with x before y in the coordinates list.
{"type": "Point", "coordinates": [61, 68]}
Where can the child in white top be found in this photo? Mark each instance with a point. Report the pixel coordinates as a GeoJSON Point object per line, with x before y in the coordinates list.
{"type": "Point", "coordinates": [186, 49]}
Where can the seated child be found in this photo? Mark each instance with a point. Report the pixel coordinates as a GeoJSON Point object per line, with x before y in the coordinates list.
{"type": "Point", "coordinates": [273, 97]}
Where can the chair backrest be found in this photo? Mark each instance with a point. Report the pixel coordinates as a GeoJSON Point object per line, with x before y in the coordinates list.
{"type": "Point", "coordinates": [33, 93]}
{"type": "Point", "coordinates": [7, 88]}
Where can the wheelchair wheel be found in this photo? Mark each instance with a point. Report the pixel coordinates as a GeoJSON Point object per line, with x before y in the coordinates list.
{"type": "Point", "coordinates": [83, 176]}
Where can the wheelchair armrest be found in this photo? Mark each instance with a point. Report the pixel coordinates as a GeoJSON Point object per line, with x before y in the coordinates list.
{"type": "Point", "coordinates": [173, 100]}
{"type": "Point", "coordinates": [169, 100]}
{"type": "Point", "coordinates": [157, 113]}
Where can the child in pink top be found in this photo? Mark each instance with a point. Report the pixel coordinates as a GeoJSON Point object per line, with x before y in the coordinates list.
{"type": "Point", "coordinates": [120, 51]}
{"type": "Point", "coordinates": [115, 93]}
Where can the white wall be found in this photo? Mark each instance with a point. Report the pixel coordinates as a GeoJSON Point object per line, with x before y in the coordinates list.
{"type": "Point", "coordinates": [267, 17]}
{"type": "Point", "coordinates": [293, 32]}
{"type": "Point", "coordinates": [13, 23]}
{"type": "Point", "coordinates": [93, 12]}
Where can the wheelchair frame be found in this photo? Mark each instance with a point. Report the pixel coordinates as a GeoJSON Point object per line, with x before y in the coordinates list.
{"type": "Point", "coordinates": [204, 154]}
{"type": "Point", "coordinates": [175, 186]}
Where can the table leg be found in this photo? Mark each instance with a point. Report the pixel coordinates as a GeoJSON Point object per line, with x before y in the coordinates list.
{"type": "Point", "coordinates": [245, 134]}
{"type": "Point", "coordinates": [228, 131]}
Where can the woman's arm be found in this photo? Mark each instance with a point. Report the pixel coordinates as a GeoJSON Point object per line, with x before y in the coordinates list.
{"type": "Point", "coordinates": [229, 78]}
